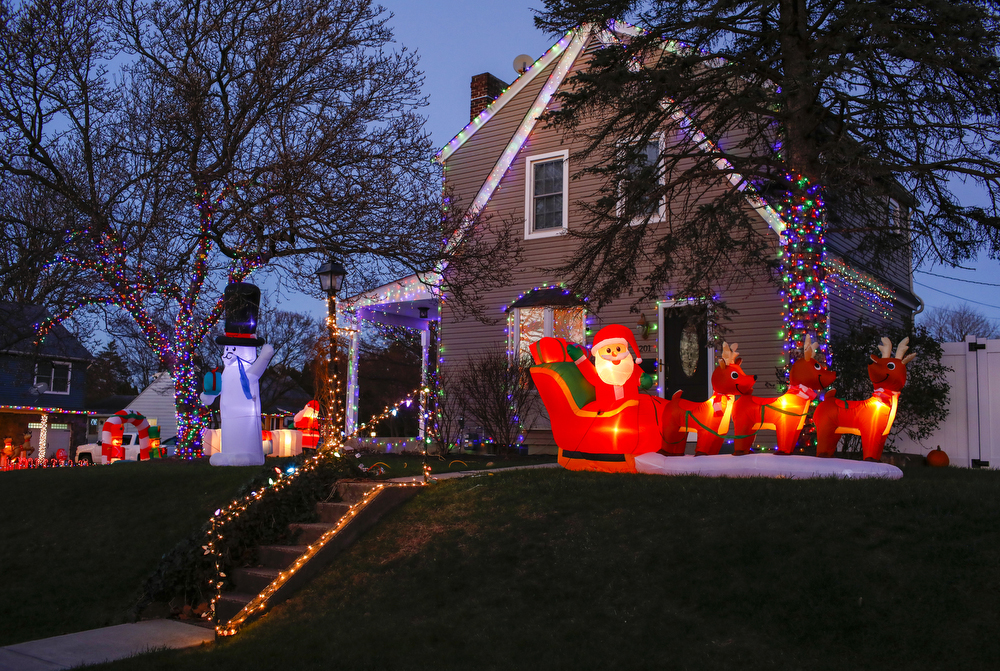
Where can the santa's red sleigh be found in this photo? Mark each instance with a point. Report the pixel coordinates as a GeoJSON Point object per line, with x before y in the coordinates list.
{"type": "Point", "coordinates": [589, 438]}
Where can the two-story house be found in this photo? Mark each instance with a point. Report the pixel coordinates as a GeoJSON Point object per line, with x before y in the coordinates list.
{"type": "Point", "coordinates": [508, 165]}
{"type": "Point", "coordinates": [41, 385]}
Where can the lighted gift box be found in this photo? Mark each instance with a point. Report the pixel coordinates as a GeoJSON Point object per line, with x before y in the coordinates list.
{"type": "Point", "coordinates": [286, 443]}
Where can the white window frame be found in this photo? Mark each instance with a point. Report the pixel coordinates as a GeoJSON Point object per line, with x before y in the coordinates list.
{"type": "Point", "coordinates": [529, 195]}
{"type": "Point", "coordinates": [661, 210]}
{"type": "Point", "coordinates": [69, 377]}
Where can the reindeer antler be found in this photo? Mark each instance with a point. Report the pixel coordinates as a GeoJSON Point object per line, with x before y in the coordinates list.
{"type": "Point", "coordinates": [809, 347]}
{"type": "Point", "coordinates": [729, 354]}
{"type": "Point", "coordinates": [885, 349]}
{"type": "Point", "coordinates": [902, 347]}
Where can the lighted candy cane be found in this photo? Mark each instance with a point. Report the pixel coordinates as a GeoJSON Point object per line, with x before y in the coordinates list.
{"type": "Point", "coordinates": [114, 427]}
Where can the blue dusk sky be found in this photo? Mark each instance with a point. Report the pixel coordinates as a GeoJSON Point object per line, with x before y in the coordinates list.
{"type": "Point", "coordinates": [458, 39]}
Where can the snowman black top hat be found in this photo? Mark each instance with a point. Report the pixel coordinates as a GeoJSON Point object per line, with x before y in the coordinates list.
{"type": "Point", "coordinates": [242, 305]}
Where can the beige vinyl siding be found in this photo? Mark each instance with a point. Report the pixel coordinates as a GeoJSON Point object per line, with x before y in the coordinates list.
{"type": "Point", "coordinates": [755, 327]}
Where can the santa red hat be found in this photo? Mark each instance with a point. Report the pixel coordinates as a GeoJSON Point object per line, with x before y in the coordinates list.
{"type": "Point", "coordinates": [616, 332]}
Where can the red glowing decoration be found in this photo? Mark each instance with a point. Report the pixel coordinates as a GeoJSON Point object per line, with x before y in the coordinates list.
{"type": "Point", "coordinates": [870, 419]}
{"type": "Point", "coordinates": [710, 418]}
{"type": "Point", "coordinates": [307, 421]}
{"type": "Point", "coordinates": [785, 414]}
{"type": "Point", "coordinates": [111, 434]}
{"type": "Point", "coordinates": [595, 427]}
{"type": "Point", "coordinates": [614, 374]}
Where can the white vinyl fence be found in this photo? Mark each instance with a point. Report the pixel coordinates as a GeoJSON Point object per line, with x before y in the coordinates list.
{"type": "Point", "coordinates": [971, 432]}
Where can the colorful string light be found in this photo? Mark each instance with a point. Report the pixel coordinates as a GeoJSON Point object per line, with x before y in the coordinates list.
{"type": "Point", "coordinates": [803, 273]}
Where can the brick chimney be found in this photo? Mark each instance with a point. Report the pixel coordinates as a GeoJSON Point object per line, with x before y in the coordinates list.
{"type": "Point", "coordinates": [485, 89]}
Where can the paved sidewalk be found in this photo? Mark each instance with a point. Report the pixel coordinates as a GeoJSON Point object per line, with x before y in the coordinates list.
{"type": "Point", "coordinates": [102, 645]}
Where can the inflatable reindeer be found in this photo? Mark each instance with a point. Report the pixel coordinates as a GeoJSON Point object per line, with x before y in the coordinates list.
{"type": "Point", "coordinates": [709, 419]}
{"type": "Point", "coordinates": [870, 419]}
{"type": "Point", "coordinates": [785, 414]}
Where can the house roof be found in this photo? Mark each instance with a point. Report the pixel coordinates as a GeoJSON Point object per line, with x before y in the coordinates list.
{"type": "Point", "coordinates": [564, 54]}
{"type": "Point", "coordinates": [18, 323]}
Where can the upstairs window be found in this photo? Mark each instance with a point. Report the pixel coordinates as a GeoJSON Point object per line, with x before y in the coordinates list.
{"type": "Point", "coordinates": [545, 195]}
{"type": "Point", "coordinates": [55, 374]}
{"type": "Point", "coordinates": [641, 185]}
{"type": "Point", "coordinates": [899, 216]}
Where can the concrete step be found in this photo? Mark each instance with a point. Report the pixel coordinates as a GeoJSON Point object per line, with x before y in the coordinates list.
{"type": "Point", "coordinates": [278, 556]}
{"type": "Point", "coordinates": [352, 492]}
{"type": "Point", "coordinates": [308, 532]}
{"type": "Point", "coordinates": [229, 604]}
{"type": "Point", "coordinates": [331, 512]}
{"type": "Point", "coordinates": [253, 580]}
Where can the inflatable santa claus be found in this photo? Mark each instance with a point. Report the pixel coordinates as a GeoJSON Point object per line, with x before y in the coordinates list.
{"type": "Point", "coordinates": [615, 373]}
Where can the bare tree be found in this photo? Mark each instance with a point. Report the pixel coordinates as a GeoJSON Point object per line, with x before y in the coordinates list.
{"type": "Point", "coordinates": [198, 141]}
{"type": "Point", "coordinates": [498, 393]}
{"type": "Point", "coordinates": [448, 403]}
{"type": "Point", "coordinates": [953, 324]}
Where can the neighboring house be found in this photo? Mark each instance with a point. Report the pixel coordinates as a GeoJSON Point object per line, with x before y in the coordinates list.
{"type": "Point", "coordinates": [42, 385]}
{"type": "Point", "coordinates": [155, 403]}
{"type": "Point", "coordinates": [510, 167]}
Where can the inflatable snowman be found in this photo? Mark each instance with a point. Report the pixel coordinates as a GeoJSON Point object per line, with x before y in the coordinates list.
{"type": "Point", "coordinates": [238, 387]}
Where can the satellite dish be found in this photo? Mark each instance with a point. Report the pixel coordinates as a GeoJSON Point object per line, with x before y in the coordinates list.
{"type": "Point", "coordinates": [38, 389]}
{"type": "Point", "coordinates": [522, 63]}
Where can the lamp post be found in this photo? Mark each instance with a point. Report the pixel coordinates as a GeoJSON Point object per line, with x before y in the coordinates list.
{"type": "Point", "coordinates": [331, 277]}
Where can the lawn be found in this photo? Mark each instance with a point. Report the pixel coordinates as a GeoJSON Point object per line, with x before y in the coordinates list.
{"type": "Point", "coordinates": [76, 543]}
{"type": "Point", "coordinates": [551, 569]}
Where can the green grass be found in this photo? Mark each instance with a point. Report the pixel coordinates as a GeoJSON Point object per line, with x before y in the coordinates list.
{"type": "Point", "coordinates": [76, 544]}
{"type": "Point", "coordinates": [548, 569]}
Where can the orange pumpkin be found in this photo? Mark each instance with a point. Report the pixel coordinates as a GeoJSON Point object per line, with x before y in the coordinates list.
{"type": "Point", "coordinates": [937, 458]}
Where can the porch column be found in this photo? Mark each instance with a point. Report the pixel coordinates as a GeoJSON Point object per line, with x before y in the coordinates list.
{"type": "Point", "coordinates": [425, 339]}
{"type": "Point", "coordinates": [43, 437]}
{"type": "Point", "coordinates": [351, 411]}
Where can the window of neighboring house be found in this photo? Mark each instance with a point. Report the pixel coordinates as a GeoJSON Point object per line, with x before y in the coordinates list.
{"type": "Point", "coordinates": [643, 176]}
{"type": "Point", "coordinates": [545, 195]}
{"type": "Point", "coordinates": [56, 374]}
{"type": "Point", "coordinates": [528, 324]}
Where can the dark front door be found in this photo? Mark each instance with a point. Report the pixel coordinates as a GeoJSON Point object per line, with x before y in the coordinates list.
{"type": "Point", "coordinates": [685, 352]}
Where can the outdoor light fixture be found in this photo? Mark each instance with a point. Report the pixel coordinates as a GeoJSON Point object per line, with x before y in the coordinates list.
{"type": "Point", "coordinates": [331, 276]}
{"type": "Point", "coordinates": [423, 313]}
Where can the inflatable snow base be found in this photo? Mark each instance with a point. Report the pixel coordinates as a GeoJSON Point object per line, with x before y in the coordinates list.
{"type": "Point", "coordinates": [764, 466]}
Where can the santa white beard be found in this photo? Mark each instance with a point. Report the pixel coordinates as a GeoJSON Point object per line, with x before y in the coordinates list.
{"type": "Point", "coordinates": [612, 374]}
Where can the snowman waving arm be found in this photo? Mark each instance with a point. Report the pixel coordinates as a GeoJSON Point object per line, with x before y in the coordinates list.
{"type": "Point", "coordinates": [263, 359]}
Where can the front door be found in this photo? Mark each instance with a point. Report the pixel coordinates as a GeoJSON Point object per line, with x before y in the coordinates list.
{"type": "Point", "coordinates": [684, 360]}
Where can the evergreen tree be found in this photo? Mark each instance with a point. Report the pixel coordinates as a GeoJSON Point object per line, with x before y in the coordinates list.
{"type": "Point", "coordinates": [108, 375]}
{"type": "Point", "coordinates": [866, 108]}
